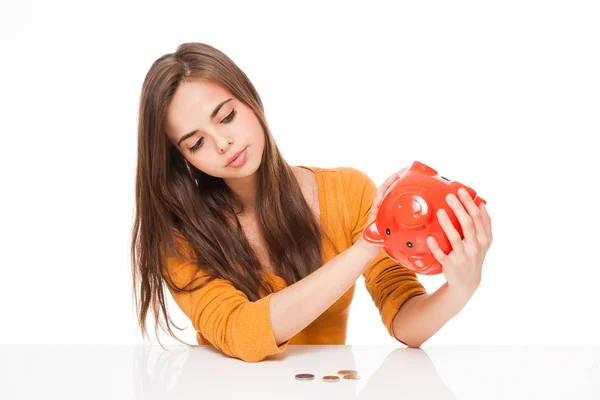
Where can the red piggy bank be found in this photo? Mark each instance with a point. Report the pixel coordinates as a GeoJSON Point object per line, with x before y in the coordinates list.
{"type": "Point", "coordinates": [407, 216]}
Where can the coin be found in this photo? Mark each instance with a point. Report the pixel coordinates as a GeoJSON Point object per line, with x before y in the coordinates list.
{"type": "Point", "coordinates": [347, 372]}
{"type": "Point", "coordinates": [305, 377]}
{"type": "Point", "coordinates": [331, 378]}
{"type": "Point", "coordinates": [353, 377]}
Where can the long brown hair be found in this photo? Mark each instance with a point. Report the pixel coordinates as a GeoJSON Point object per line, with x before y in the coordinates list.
{"type": "Point", "coordinates": [177, 203]}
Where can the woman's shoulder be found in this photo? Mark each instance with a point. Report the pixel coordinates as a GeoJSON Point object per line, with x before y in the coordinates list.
{"type": "Point", "coordinates": [346, 174]}
{"type": "Point", "coordinates": [344, 184]}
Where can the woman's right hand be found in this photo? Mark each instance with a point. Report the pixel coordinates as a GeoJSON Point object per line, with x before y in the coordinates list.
{"type": "Point", "coordinates": [379, 195]}
{"type": "Point", "coordinates": [375, 249]}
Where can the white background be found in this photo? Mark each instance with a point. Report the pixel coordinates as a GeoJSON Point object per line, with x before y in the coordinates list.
{"type": "Point", "coordinates": [501, 96]}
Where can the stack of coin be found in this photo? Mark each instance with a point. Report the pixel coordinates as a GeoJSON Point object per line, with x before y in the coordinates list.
{"type": "Point", "coordinates": [349, 374]}
{"type": "Point", "coordinates": [305, 377]}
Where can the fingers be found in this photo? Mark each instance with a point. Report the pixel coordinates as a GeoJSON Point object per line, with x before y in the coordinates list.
{"type": "Point", "coordinates": [381, 192]}
{"type": "Point", "coordinates": [466, 222]}
{"type": "Point", "coordinates": [386, 185]}
{"type": "Point", "coordinates": [475, 214]}
{"type": "Point", "coordinates": [402, 171]}
{"type": "Point", "coordinates": [451, 232]}
{"type": "Point", "coordinates": [487, 222]}
{"type": "Point", "coordinates": [436, 251]}
{"type": "Point", "coordinates": [388, 182]}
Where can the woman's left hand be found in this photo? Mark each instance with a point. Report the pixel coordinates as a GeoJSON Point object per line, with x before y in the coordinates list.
{"type": "Point", "coordinates": [462, 266]}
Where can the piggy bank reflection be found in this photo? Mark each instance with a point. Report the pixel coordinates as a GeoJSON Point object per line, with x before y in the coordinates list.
{"type": "Point", "coordinates": [407, 216]}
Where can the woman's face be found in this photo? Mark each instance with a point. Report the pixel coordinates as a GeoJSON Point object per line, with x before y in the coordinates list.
{"type": "Point", "coordinates": [209, 126]}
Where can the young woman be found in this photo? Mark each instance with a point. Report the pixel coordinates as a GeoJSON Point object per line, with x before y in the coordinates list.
{"type": "Point", "coordinates": [257, 253]}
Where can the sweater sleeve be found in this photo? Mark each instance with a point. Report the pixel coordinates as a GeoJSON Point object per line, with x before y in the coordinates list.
{"type": "Point", "coordinates": [224, 316]}
{"type": "Point", "coordinates": [389, 283]}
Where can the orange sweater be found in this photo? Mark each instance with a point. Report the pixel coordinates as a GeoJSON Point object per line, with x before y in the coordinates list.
{"type": "Point", "coordinates": [224, 317]}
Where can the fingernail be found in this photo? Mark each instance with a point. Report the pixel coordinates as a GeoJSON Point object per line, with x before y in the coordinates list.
{"type": "Point", "coordinates": [462, 191]}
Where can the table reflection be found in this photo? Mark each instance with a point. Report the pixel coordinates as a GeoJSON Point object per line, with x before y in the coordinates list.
{"type": "Point", "coordinates": [192, 372]}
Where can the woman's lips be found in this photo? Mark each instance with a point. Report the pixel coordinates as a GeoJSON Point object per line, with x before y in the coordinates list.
{"type": "Point", "coordinates": [238, 159]}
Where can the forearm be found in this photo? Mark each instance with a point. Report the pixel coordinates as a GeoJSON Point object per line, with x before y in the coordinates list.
{"type": "Point", "coordinates": [420, 317]}
{"type": "Point", "coordinates": [295, 307]}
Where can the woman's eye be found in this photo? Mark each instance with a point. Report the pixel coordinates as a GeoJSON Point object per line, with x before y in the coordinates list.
{"type": "Point", "coordinates": [198, 144]}
{"type": "Point", "coordinates": [226, 120]}
{"type": "Point", "coordinates": [229, 117]}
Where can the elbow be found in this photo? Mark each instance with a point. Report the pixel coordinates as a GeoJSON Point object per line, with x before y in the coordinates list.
{"type": "Point", "coordinates": [251, 357]}
{"type": "Point", "coordinates": [254, 350]}
{"type": "Point", "coordinates": [410, 343]}
{"type": "Point", "coordinates": [414, 345]}
{"type": "Point", "coordinates": [241, 350]}
{"type": "Point", "coordinates": [243, 331]}
{"type": "Point", "coordinates": [252, 344]}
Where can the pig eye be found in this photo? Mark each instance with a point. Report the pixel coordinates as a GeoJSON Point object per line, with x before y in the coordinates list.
{"type": "Point", "coordinates": [446, 179]}
{"type": "Point", "coordinates": [409, 244]}
{"type": "Point", "coordinates": [388, 232]}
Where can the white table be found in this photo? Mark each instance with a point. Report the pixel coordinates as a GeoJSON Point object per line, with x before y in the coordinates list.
{"type": "Point", "coordinates": [86, 372]}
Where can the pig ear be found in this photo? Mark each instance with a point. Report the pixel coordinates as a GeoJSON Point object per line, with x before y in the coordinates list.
{"type": "Point", "coordinates": [423, 168]}
{"type": "Point", "coordinates": [371, 235]}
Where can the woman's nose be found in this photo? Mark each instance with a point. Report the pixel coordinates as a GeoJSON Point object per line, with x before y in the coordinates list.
{"type": "Point", "coordinates": [223, 143]}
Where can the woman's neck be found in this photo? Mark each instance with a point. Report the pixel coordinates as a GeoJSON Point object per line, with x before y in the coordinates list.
{"type": "Point", "coordinates": [245, 189]}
